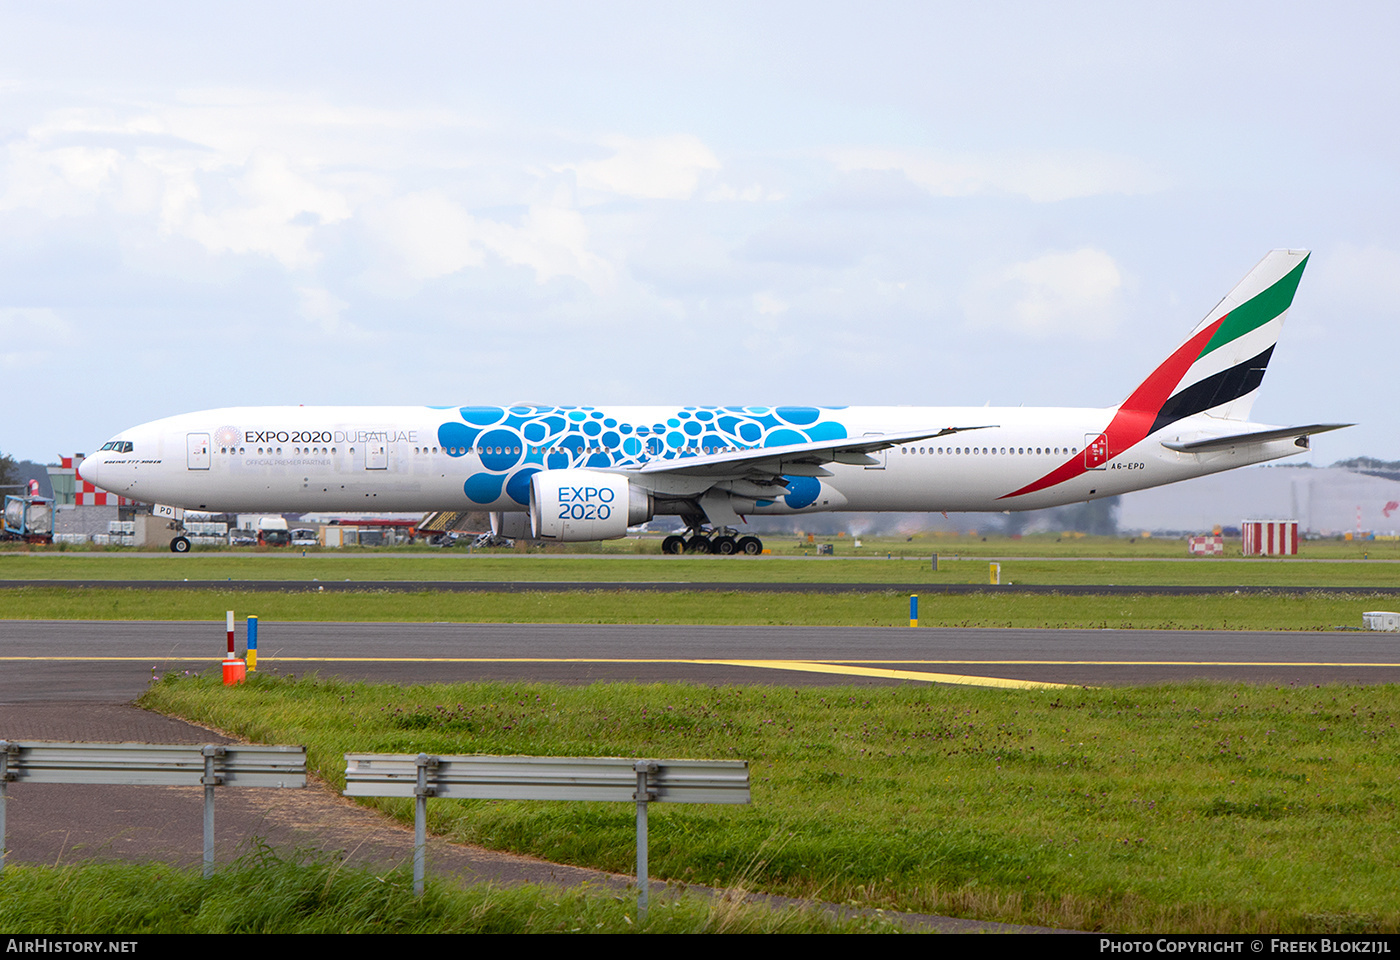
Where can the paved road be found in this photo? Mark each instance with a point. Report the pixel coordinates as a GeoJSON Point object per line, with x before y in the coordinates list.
{"type": "Point", "coordinates": [67, 823]}
{"type": "Point", "coordinates": [113, 661]}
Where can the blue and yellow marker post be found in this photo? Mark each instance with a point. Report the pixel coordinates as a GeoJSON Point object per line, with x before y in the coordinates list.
{"type": "Point", "coordinates": [252, 643]}
{"type": "Point", "coordinates": [913, 610]}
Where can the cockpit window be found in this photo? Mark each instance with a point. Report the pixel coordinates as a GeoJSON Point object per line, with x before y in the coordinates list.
{"type": "Point", "coordinates": [117, 446]}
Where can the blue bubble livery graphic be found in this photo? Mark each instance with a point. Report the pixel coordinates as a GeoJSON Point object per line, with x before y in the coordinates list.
{"type": "Point", "coordinates": [513, 443]}
{"type": "Point", "coordinates": [483, 487]}
{"type": "Point", "coordinates": [802, 491]}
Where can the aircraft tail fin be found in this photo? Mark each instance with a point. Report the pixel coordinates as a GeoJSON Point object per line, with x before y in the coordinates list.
{"type": "Point", "coordinates": [1220, 366]}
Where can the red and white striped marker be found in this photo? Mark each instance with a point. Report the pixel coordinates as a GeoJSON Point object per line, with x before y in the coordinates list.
{"type": "Point", "coordinates": [235, 670]}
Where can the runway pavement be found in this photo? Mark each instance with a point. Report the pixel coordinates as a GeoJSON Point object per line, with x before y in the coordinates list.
{"type": "Point", "coordinates": [114, 660]}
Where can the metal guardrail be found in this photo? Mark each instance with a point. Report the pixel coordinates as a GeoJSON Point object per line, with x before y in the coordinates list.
{"type": "Point", "coordinates": [150, 764]}
{"type": "Point", "coordinates": [544, 778]}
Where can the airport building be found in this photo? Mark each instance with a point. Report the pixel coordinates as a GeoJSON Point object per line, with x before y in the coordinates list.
{"type": "Point", "coordinates": [1326, 501]}
{"type": "Point", "coordinates": [81, 511]}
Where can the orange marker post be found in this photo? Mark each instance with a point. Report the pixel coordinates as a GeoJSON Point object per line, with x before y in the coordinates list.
{"type": "Point", "coordinates": [235, 670]}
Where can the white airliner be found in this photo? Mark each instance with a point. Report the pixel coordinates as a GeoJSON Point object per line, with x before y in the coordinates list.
{"type": "Point", "coordinates": [588, 473]}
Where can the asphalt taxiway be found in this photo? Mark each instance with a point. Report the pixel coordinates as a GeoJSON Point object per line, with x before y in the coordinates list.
{"type": "Point", "coordinates": [114, 660]}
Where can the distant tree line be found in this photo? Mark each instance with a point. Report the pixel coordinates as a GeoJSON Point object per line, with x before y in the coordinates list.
{"type": "Point", "coordinates": [9, 474]}
{"type": "Point", "coordinates": [1389, 469]}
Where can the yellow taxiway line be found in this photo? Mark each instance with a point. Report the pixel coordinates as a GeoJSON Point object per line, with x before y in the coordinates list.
{"type": "Point", "coordinates": [834, 663]}
{"type": "Point", "coordinates": [853, 668]}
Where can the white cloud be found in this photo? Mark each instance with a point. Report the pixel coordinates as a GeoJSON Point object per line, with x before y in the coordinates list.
{"type": "Point", "coordinates": [433, 236]}
{"type": "Point", "coordinates": [60, 182]}
{"type": "Point", "coordinates": [662, 168]}
{"type": "Point", "coordinates": [1041, 176]}
{"type": "Point", "coordinates": [277, 213]}
{"type": "Point", "coordinates": [753, 193]}
{"type": "Point", "coordinates": [1071, 294]}
{"type": "Point", "coordinates": [324, 309]}
{"type": "Point", "coordinates": [155, 166]}
{"type": "Point", "coordinates": [768, 304]}
{"type": "Point", "coordinates": [553, 241]}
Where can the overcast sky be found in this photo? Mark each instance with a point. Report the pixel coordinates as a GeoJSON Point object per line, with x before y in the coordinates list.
{"type": "Point", "coordinates": [212, 205]}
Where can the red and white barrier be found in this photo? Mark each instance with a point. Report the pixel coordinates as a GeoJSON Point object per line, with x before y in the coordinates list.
{"type": "Point", "coordinates": [1207, 546]}
{"type": "Point", "coordinates": [1270, 538]}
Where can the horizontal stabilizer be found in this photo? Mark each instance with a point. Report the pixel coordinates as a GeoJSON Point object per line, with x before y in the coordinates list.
{"type": "Point", "coordinates": [1300, 434]}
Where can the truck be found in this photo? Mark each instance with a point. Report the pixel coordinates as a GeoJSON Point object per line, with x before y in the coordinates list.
{"type": "Point", "coordinates": [273, 532]}
{"type": "Point", "coordinates": [28, 518]}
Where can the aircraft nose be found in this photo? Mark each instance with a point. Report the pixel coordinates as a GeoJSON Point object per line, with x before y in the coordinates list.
{"type": "Point", "coordinates": [87, 470]}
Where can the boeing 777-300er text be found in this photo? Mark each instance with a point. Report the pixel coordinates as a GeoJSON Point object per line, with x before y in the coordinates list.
{"type": "Point", "coordinates": [589, 473]}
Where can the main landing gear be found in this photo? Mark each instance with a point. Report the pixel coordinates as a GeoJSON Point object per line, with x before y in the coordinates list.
{"type": "Point", "coordinates": [720, 542]}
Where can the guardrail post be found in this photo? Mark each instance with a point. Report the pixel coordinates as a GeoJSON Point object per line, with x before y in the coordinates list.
{"type": "Point", "coordinates": [6, 748]}
{"type": "Point", "coordinates": [210, 780]}
{"type": "Point", "coordinates": [644, 793]}
{"type": "Point", "coordinates": [611, 779]}
{"type": "Point", "coordinates": [151, 764]}
{"type": "Point", "coordinates": [421, 793]}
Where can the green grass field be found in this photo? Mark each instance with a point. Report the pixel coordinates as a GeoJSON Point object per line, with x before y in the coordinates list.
{"type": "Point", "coordinates": [1283, 611]}
{"type": "Point", "coordinates": [916, 546]}
{"type": "Point", "coordinates": [1349, 582]}
{"type": "Point", "coordinates": [265, 894]}
{"type": "Point", "coordinates": [1177, 808]}
{"type": "Point", "coordinates": [366, 566]}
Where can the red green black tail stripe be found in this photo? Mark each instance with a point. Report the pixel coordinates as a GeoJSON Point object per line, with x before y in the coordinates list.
{"type": "Point", "coordinates": [1157, 403]}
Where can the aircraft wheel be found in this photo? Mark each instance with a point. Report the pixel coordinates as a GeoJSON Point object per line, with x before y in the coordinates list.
{"type": "Point", "coordinates": [750, 546]}
{"type": "Point", "coordinates": [673, 545]}
{"type": "Point", "coordinates": [180, 545]}
{"type": "Point", "coordinates": [724, 546]}
{"type": "Point", "coordinates": [697, 545]}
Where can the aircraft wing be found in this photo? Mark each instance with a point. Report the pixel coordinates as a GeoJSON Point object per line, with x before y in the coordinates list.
{"type": "Point", "coordinates": [789, 458]}
{"type": "Point", "coordinates": [1299, 434]}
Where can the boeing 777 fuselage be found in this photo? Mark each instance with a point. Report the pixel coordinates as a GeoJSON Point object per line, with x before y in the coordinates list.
{"type": "Point", "coordinates": [588, 473]}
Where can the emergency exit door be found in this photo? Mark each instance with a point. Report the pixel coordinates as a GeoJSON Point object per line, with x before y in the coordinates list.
{"type": "Point", "coordinates": [1095, 451]}
{"type": "Point", "coordinates": [197, 451]}
{"type": "Point", "coordinates": [377, 455]}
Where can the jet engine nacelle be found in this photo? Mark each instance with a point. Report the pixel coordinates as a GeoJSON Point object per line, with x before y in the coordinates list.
{"type": "Point", "coordinates": [573, 505]}
{"type": "Point", "coordinates": [515, 525]}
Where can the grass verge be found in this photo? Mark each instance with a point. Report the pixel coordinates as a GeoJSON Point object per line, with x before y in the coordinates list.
{"type": "Point", "coordinates": [334, 566]}
{"type": "Point", "coordinates": [1281, 611]}
{"type": "Point", "coordinates": [1187, 808]}
{"type": "Point", "coordinates": [263, 893]}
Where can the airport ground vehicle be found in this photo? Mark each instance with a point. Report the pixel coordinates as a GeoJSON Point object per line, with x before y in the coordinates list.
{"type": "Point", "coordinates": [28, 518]}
